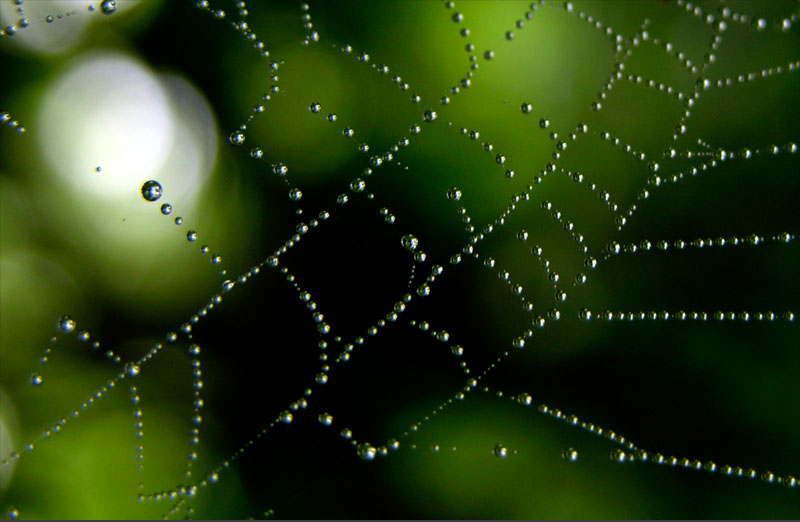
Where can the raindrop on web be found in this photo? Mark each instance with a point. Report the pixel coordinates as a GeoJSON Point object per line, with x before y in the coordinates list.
{"type": "Point", "coordinates": [409, 242]}
{"type": "Point", "coordinates": [236, 138]}
{"type": "Point", "coordinates": [570, 455]}
{"type": "Point", "coordinates": [36, 379]}
{"type": "Point", "coordinates": [500, 451]}
{"type": "Point", "coordinates": [66, 324]}
{"type": "Point", "coordinates": [367, 451]}
{"type": "Point", "coordinates": [151, 190]}
{"type": "Point", "coordinates": [108, 7]}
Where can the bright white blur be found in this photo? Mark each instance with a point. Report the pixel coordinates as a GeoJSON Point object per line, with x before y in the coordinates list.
{"type": "Point", "coordinates": [107, 110]}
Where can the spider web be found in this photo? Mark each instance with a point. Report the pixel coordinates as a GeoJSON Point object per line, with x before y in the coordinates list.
{"type": "Point", "coordinates": [509, 260]}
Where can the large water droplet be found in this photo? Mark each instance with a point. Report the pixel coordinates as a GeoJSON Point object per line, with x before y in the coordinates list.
{"type": "Point", "coordinates": [570, 455]}
{"type": "Point", "coordinates": [108, 7]}
{"type": "Point", "coordinates": [151, 190]}
{"type": "Point", "coordinates": [132, 369]}
{"type": "Point", "coordinates": [66, 324]}
{"type": "Point", "coordinates": [367, 451]}
{"type": "Point", "coordinates": [236, 138]}
{"type": "Point", "coordinates": [409, 242]}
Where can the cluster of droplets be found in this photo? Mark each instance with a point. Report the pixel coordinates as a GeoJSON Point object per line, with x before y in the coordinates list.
{"type": "Point", "coordinates": [152, 191]}
{"type": "Point", "coordinates": [627, 451]}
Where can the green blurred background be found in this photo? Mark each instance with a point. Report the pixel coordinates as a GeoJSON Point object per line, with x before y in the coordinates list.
{"type": "Point", "coordinates": [154, 90]}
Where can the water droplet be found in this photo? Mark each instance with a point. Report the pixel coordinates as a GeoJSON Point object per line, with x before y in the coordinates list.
{"type": "Point", "coordinates": [500, 451]}
{"type": "Point", "coordinates": [326, 419]}
{"type": "Point", "coordinates": [619, 455]}
{"type": "Point", "coordinates": [66, 324]}
{"type": "Point", "coordinates": [151, 190]}
{"type": "Point", "coordinates": [13, 513]}
{"type": "Point", "coordinates": [367, 451]}
{"type": "Point", "coordinates": [108, 7]}
{"type": "Point", "coordinates": [409, 242]}
{"type": "Point", "coordinates": [166, 209]}
{"type": "Point", "coordinates": [454, 194]}
{"type": "Point", "coordinates": [429, 115]}
{"type": "Point", "coordinates": [132, 369]}
{"type": "Point", "coordinates": [315, 107]}
{"type": "Point", "coordinates": [191, 236]}
{"type": "Point", "coordinates": [358, 185]}
{"type": "Point", "coordinates": [544, 123]}
{"type": "Point", "coordinates": [257, 153]}
{"type": "Point", "coordinates": [36, 379]}
{"type": "Point", "coordinates": [570, 455]}
{"type": "Point", "coordinates": [526, 108]}
{"type": "Point", "coordinates": [286, 417]}
{"type": "Point", "coordinates": [295, 194]}
{"type": "Point", "coordinates": [236, 138]}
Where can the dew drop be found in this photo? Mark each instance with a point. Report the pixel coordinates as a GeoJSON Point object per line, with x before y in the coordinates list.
{"type": "Point", "coordinates": [132, 369]}
{"type": "Point", "coordinates": [570, 455]}
{"type": "Point", "coordinates": [151, 190]}
{"type": "Point", "coordinates": [619, 455]}
{"type": "Point", "coordinates": [280, 169]}
{"type": "Point", "coordinates": [367, 451]}
{"type": "Point", "coordinates": [236, 138]}
{"type": "Point", "coordinates": [315, 107]}
{"type": "Point", "coordinates": [295, 194]}
{"type": "Point", "coordinates": [13, 513]}
{"type": "Point", "coordinates": [429, 115]}
{"type": "Point", "coordinates": [526, 108]}
{"type": "Point", "coordinates": [358, 185]}
{"type": "Point", "coordinates": [409, 242]}
{"type": "Point", "coordinates": [108, 7]}
{"type": "Point", "coordinates": [36, 379]}
{"type": "Point", "coordinates": [166, 209]}
{"type": "Point", "coordinates": [286, 417]}
{"type": "Point", "coordinates": [66, 324]}
{"type": "Point", "coordinates": [454, 194]}
{"type": "Point", "coordinates": [500, 451]}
